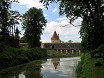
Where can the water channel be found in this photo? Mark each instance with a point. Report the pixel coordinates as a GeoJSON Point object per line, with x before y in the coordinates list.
{"type": "Point", "coordinates": [47, 68]}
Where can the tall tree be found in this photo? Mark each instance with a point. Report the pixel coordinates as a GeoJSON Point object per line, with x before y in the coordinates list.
{"type": "Point", "coordinates": [33, 23]}
{"type": "Point", "coordinates": [14, 17]}
{"type": "Point", "coordinates": [4, 7]}
{"type": "Point", "coordinates": [5, 20]}
{"type": "Point", "coordinates": [92, 13]}
{"type": "Point", "coordinates": [8, 19]}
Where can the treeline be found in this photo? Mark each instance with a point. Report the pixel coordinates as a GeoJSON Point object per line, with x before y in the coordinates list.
{"type": "Point", "coordinates": [14, 56]}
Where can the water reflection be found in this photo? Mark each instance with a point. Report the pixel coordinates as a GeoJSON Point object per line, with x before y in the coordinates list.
{"type": "Point", "coordinates": [56, 62]}
{"type": "Point", "coordinates": [60, 68]}
{"type": "Point", "coordinates": [50, 68]}
{"type": "Point", "coordinates": [30, 70]}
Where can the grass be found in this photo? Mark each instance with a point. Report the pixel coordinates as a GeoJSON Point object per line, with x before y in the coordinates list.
{"type": "Point", "coordinates": [87, 68]}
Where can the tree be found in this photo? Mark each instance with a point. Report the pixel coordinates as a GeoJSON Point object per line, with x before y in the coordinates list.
{"type": "Point", "coordinates": [90, 39]}
{"type": "Point", "coordinates": [14, 17]}
{"type": "Point", "coordinates": [69, 41]}
{"type": "Point", "coordinates": [92, 13]}
{"type": "Point", "coordinates": [4, 7]}
{"type": "Point", "coordinates": [5, 20]}
{"type": "Point", "coordinates": [33, 23]}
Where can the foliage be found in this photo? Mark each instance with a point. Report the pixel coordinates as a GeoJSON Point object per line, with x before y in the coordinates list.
{"type": "Point", "coordinates": [4, 7]}
{"type": "Point", "coordinates": [33, 23]}
{"type": "Point", "coordinates": [99, 50]}
{"type": "Point", "coordinates": [14, 17]}
{"type": "Point", "coordinates": [79, 8]}
{"type": "Point", "coordinates": [8, 19]}
{"type": "Point", "coordinates": [87, 68]}
{"type": "Point", "coordinates": [13, 56]}
{"type": "Point", "coordinates": [89, 35]}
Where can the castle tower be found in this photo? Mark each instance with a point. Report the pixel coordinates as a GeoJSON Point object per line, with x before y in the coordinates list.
{"type": "Point", "coordinates": [55, 38]}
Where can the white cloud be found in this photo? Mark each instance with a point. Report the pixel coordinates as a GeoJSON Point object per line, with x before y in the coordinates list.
{"type": "Point", "coordinates": [45, 15]}
{"type": "Point", "coordinates": [31, 3]}
{"type": "Point", "coordinates": [77, 22]}
{"type": "Point", "coordinates": [45, 41]}
{"type": "Point", "coordinates": [64, 29]}
{"type": "Point", "coordinates": [54, 10]}
{"type": "Point", "coordinates": [52, 26]}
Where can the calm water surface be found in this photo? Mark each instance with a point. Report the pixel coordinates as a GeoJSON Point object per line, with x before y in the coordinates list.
{"type": "Point", "coordinates": [49, 68]}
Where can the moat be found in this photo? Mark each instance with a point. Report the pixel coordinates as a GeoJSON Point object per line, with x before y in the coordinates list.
{"type": "Point", "coordinates": [47, 68]}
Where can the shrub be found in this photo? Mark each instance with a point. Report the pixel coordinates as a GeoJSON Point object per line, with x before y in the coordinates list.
{"type": "Point", "coordinates": [13, 56]}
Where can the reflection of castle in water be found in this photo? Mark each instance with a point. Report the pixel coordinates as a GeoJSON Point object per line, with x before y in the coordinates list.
{"type": "Point", "coordinates": [56, 62]}
{"type": "Point", "coordinates": [60, 67]}
{"type": "Point", "coordinates": [52, 68]}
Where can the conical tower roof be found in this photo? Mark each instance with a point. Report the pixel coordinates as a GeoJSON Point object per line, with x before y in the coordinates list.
{"type": "Point", "coordinates": [55, 36]}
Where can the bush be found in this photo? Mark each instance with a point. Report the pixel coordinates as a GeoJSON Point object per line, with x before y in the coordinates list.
{"type": "Point", "coordinates": [80, 64]}
{"type": "Point", "coordinates": [13, 56]}
{"type": "Point", "coordinates": [98, 64]}
{"type": "Point", "coordinates": [99, 52]}
{"type": "Point", "coordinates": [90, 67]}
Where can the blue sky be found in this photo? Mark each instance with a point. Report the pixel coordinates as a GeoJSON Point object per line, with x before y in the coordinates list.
{"type": "Point", "coordinates": [55, 21]}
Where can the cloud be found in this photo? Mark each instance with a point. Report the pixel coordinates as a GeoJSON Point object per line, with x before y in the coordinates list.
{"type": "Point", "coordinates": [77, 22]}
{"type": "Point", "coordinates": [54, 10]}
{"type": "Point", "coordinates": [45, 15]}
{"type": "Point", "coordinates": [31, 3]}
{"type": "Point", "coordinates": [52, 26]}
{"type": "Point", "coordinates": [45, 41]}
{"type": "Point", "coordinates": [65, 30]}
{"type": "Point", "coordinates": [61, 25]}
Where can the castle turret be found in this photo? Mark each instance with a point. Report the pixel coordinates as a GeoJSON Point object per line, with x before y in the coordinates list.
{"type": "Point", "coordinates": [55, 38]}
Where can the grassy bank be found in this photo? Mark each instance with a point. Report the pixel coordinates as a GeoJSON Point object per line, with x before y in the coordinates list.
{"type": "Point", "coordinates": [90, 67]}
{"type": "Point", "coordinates": [13, 56]}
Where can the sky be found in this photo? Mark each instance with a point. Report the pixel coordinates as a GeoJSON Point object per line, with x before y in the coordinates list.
{"type": "Point", "coordinates": [55, 22]}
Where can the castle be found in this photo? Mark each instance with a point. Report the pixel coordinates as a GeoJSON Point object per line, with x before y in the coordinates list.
{"type": "Point", "coordinates": [57, 45]}
{"type": "Point", "coordinates": [55, 38]}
